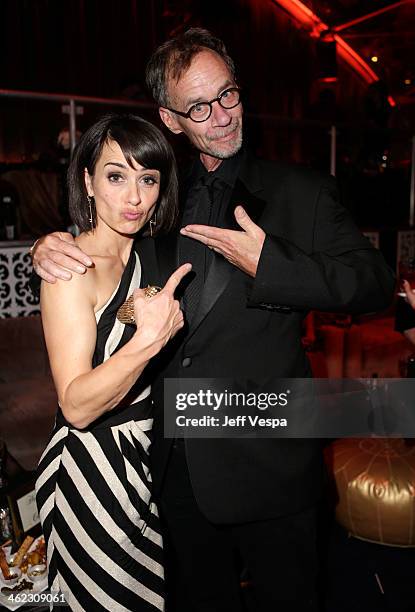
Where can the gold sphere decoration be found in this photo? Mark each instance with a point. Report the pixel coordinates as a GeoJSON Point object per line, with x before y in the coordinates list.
{"type": "Point", "coordinates": [375, 486]}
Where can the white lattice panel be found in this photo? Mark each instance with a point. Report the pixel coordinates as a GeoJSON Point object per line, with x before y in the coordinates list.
{"type": "Point", "coordinates": [16, 298]}
{"type": "Point", "coordinates": [406, 245]}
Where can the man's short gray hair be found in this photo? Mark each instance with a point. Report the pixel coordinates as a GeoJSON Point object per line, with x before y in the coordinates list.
{"type": "Point", "coordinates": [173, 58]}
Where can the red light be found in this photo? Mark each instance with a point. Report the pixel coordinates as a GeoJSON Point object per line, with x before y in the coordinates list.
{"type": "Point", "coordinates": [316, 26]}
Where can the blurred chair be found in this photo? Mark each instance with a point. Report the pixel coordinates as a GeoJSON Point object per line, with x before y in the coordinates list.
{"type": "Point", "coordinates": [28, 399]}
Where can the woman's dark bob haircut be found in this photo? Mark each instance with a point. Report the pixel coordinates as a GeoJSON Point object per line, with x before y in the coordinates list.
{"type": "Point", "coordinates": [140, 141]}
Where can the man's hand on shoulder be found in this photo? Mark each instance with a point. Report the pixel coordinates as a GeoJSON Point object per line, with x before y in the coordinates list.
{"type": "Point", "coordinates": [240, 248]}
{"type": "Point", "coordinates": [57, 256]}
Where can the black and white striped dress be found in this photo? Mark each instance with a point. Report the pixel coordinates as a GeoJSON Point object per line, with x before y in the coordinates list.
{"type": "Point", "coordinates": [94, 493]}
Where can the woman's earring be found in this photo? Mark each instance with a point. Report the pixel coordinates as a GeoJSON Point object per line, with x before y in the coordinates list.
{"type": "Point", "coordinates": [89, 198]}
{"type": "Point", "coordinates": [153, 223]}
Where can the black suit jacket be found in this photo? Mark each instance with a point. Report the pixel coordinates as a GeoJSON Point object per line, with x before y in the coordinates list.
{"type": "Point", "coordinates": [313, 258]}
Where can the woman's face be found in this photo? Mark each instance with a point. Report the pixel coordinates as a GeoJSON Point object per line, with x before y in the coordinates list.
{"type": "Point", "coordinates": [125, 197]}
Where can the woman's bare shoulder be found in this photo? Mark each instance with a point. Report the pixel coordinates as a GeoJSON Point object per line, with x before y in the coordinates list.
{"type": "Point", "coordinates": [80, 288]}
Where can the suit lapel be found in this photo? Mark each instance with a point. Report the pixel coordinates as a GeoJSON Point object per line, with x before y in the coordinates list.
{"type": "Point", "coordinates": [246, 192]}
{"type": "Point", "coordinates": [167, 247]}
{"type": "Point", "coordinates": [149, 270]}
{"type": "Point", "coordinates": [167, 255]}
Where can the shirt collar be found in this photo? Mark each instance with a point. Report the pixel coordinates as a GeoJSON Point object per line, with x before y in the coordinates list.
{"type": "Point", "coordinates": [227, 171]}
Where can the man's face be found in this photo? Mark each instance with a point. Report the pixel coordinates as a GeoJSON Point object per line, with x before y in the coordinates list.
{"type": "Point", "coordinates": [208, 76]}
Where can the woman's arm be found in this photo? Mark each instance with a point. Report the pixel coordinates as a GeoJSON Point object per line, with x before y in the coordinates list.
{"type": "Point", "coordinates": [410, 293]}
{"type": "Point", "coordinates": [70, 332]}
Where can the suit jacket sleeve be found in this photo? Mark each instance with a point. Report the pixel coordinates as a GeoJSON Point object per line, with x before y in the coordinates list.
{"type": "Point", "coordinates": [341, 272]}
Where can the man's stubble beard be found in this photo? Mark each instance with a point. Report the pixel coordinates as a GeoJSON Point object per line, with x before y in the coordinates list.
{"type": "Point", "coordinates": [219, 153]}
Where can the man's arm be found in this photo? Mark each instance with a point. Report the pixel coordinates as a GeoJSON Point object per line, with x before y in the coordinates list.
{"type": "Point", "coordinates": [56, 256]}
{"type": "Point", "coordinates": [343, 272]}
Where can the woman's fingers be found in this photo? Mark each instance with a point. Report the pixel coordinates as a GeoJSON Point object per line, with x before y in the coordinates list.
{"type": "Point", "coordinates": [161, 314]}
{"type": "Point", "coordinates": [176, 278]}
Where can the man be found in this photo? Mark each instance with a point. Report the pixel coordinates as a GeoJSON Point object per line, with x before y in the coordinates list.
{"type": "Point", "coordinates": [290, 248]}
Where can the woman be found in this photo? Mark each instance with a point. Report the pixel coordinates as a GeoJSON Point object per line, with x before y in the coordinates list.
{"type": "Point", "coordinates": [93, 486]}
{"type": "Point", "coordinates": [405, 312]}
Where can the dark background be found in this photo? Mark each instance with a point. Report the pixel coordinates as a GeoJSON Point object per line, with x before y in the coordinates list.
{"type": "Point", "coordinates": [100, 48]}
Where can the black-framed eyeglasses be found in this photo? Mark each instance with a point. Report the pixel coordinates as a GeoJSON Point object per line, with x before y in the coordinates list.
{"type": "Point", "coordinates": [202, 110]}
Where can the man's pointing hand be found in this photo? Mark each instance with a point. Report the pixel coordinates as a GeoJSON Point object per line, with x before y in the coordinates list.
{"type": "Point", "coordinates": [241, 248]}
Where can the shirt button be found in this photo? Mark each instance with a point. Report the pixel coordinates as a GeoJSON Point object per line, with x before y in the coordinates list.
{"type": "Point", "coordinates": [187, 362]}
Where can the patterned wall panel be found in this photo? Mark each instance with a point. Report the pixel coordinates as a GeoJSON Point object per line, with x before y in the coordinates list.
{"type": "Point", "coordinates": [16, 298]}
{"type": "Point", "coordinates": [406, 245]}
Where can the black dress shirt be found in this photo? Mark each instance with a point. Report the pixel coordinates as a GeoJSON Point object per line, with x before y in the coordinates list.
{"type": "Point", "coordinates": [206, 204]}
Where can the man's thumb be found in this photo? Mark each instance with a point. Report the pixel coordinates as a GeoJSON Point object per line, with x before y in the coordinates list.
{"type": "Point", "coordinates": [242, 218]}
